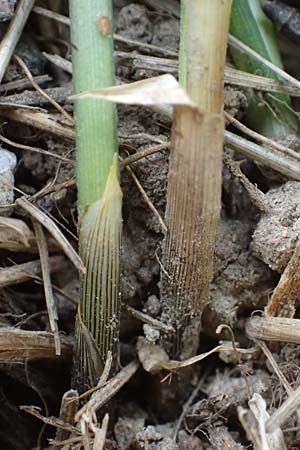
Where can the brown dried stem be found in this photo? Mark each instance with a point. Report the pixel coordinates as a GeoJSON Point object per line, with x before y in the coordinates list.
{"type": "Point", "coordinates": [13, 33]}
{"type": "Point", "coordinates": [278, 329]}
{"type": "Point", "coordinates": [18, 346]}
{"type": "Point", "coordinates": [19, 273]}
{"type": "Point", "coordinates": [194, 181]}
{"type": "Point", "coordinates": [45, 265]}
{"type": "Point", "coordinates": [68, 409]}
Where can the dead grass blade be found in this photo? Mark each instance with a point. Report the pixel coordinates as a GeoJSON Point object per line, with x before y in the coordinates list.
{"type": "Point", "coordinates": [260, 138]}
{"type": "Point", "coordinates": [257, 197]}
{"type": "Point", "coordinates": [248, 80]}
{"type": "Point", "coordinates": [13, 33]}
{"type": "Point", "coordinates": [154, 358]}
{"type": "Point", "coordinates": [50, 301]}
{"type": "Point", "coordinates": [159, 90]}
{"type": "Point", "coordinates": [52, 15]}
{"type": "Point", "coordinates": [23, 83]}
{"type": "Point", "coordinates": [100, 434]}
{"type": "Point", "coordinates": [60, 62]}
{"type": "Point", "coordinates": [273, 363]}
{"type": "Point", "coordinates": [165, 328]}
{"type": "Point", "coordinates": [53, 229]}
{"type": "Point", "coordinates": [144, 153]}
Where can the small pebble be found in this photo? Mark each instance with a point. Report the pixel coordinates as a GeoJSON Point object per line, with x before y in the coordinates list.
{"type": "Point", "coordinates": [151, 334]}
{"type": "Point", "coordinates": [152, 306]}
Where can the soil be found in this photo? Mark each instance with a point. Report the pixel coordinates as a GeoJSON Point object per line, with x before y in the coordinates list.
{"type": "Point", "coordinates": [252, 251]}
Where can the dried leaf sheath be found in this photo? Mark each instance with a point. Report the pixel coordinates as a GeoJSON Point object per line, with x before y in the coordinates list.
{"type": "Point", "coordinates": [193, 209]}
{"type": "Point", "coordinates": [195, 172]}
{"type": "Point", "coordinates": [100, 240]}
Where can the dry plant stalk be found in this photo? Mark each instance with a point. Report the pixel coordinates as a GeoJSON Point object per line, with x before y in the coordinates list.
{"type": "Point", "coordinates": [13, 33]}
{"type": "Point", "coordinates": [49, 297]}
{"type": "Point", "coordinates": [278, 329]}
{"type": "Point", "coordinates": [289, 167]}
{"type": "Point", "coordinates": [19, 273]}
{"type": "Point", "coordinates": [40, 120]}
{"type": "Point", "coordinates": [193, 208]}
{"type": "Point", "coordinates": [68, 409]}
{"type": "Point", "coordinates": [195, 170]}
{"type": "Point", "coordinates": [255, 421]}
{"type": "Point", "coordinates": [109, 390]}
{"type": "Point", "coordinates": [18, 346]}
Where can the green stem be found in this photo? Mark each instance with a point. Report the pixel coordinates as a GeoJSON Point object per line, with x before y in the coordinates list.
{"type": "Point", "coordinates": [99, 193]}
{"type": "Point", "coordinates": [182, 52]}
{"type": "Point", "coordinates": [93, 67]}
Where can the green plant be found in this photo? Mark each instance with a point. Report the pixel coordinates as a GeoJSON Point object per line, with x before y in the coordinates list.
{"type": "Point", "coordinates": [99, 193]}
{"type": "Point", "coordinates": [270, 114]}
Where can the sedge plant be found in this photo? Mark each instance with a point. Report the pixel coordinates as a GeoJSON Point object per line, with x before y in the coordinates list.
{"type": "Point", "coordinates": [99, 193]}
{"type": "Point", "coordinates": [269, 114]}
{"type": "Point", "coordinates": [195, 172]}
